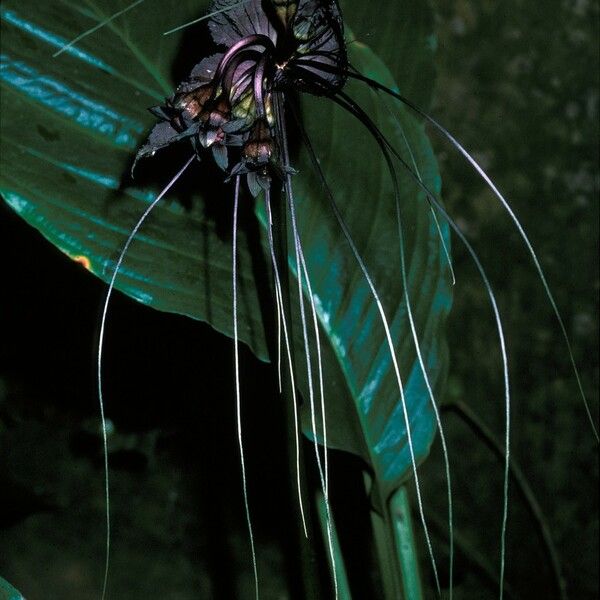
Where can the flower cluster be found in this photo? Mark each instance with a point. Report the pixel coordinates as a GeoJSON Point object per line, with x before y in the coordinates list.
{"type": "Point", "coordinates": [229, 100]}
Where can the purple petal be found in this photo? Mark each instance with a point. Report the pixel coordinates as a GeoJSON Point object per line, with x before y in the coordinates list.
{"type": "Point", "coordinates": [240, 21]}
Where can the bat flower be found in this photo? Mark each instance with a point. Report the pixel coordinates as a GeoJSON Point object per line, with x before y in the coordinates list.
{"type": "Point", "coordinates": [232, 104]}
{"type": "Point", "coordinates": [228, 103]}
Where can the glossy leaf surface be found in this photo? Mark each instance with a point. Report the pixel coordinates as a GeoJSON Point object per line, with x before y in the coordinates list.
{"type": "Point", "coordinates": [70, 128]}
{"type": "Point", "coordinates": [8, 592]}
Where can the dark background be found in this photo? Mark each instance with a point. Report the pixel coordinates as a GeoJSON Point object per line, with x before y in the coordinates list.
{"type": "Point", "coordinates": [518, 83]}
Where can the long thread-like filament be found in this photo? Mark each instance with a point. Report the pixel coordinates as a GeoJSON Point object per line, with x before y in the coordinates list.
{"type": "Point", "coordinates": [416, 340]}
{"type": "Point", "coordinates": [433, 402]}
{"type": "Point", "coordinates": [238, 401]}
{"type": "Point", "coordinates": [418, 172]}
{"type": "Point", "coordinates": [535, 259]}
{"type": "Point", "coordinates": [507, 402]}
{"type": "Point", "coordinates": [288, 348]}
{"type": "Point", "coordinates": [396, 366]}
{"type": "Point", "coordinates": [315, 320]}
{"type": "Point", "coordinates": [208, 16]}
{"type": "Point", "coordinates": [109, 291]}
{"type": "Point", "coordinates": [279, 309]}
{"type": "Point", "coordinates": [389, 341]}
{"type": "Point", "coordinates": [346, 102]}
{"type": "Point", "coordinates": [431, 397]}
{"type": "Point", "coordinates": [538, 267]}
{"type": "Point", "coordinates": [95, 28]}
{"type": "Point", "coordinates": [323, 466]}
{"type": "Point", "coordinates": [301, 269]}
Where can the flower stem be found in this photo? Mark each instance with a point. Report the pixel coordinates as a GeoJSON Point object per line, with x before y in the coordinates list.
{"type": "Point", "coordinates": [395, 546]}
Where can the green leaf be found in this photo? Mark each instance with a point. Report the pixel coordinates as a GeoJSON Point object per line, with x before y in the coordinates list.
{"type": "Point", "coordinates": [373, 425]}
{"type": "Point", "coordinates": [8, 592]}
{"type": "Point", "coordinates": [401, 34]}
{"type": "Point", "coordinates": [70, 128]}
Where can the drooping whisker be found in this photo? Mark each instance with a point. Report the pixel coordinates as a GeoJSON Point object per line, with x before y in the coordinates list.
{"type": "Point", "coordinates": [288, 347]}
{"type": "Point", "coordinates": [482, 431]}
{"type": "Point", "coordinates": [319, 364]}
{"type": "Point", "coordinates": [101, 335]}
{"type": "Point", "coordinates": [214, 13]}
{"type": "Point", "coordinates": [403, 270]}
{"type": "Point", "coordinates": [238, 402]}
{"type": "Point", "coordinates": [431, 397]}
{"type": "Point", "coordinates": [311, 74]}
{"type": "Point", "coordinates": [388, 337]}
{"type": "Point", "coordinates": [278, 309]}
{"type": "Point", "coordinates": [382, 140]}
{"type": "Point", "coordinates": [521, 230]}
{"type": "Point", "coordinates": [323, 469]}
{"type": "Point", "coordinates": [417, 171]}
{"type": "Point", "coordinates": [96, 27]}
{"type": "Point", "coordinates": [299, 255]}
{"type": "Point", "coordinates": [321, 466]}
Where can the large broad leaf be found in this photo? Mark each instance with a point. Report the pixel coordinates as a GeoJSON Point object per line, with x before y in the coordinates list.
{"type": "Point", "coordinates": [361, 183]}
{"type": "Point", "coordinates": [8, 592]}
{"type": "Point", "coordinates": [70, 128]}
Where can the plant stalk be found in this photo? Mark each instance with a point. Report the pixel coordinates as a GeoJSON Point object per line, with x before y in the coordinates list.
{"type": "Point", "coordinates": [404, 538]}
{"type": "Point", "coordinates": [396, 550]}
